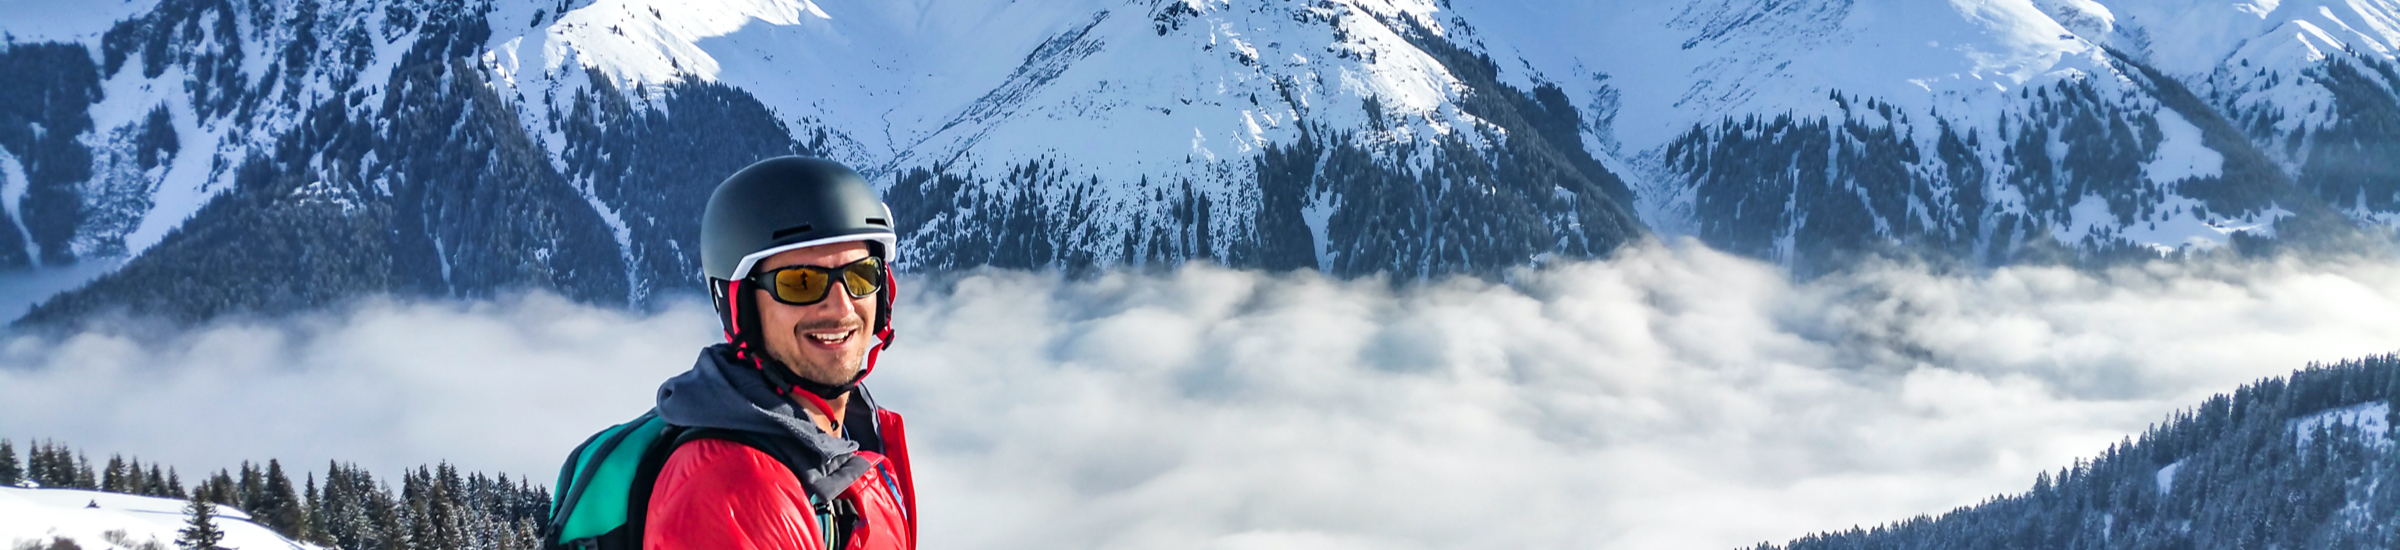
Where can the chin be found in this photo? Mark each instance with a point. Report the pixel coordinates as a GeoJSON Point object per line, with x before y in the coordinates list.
{"type": "Point", "coordinates": [832, 370]}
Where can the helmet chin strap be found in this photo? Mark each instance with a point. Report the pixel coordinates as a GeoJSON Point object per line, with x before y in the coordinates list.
{"type": "Point", "coordinates": [819, 393]}
{"type": "Point", "coordinates": [781, 377]}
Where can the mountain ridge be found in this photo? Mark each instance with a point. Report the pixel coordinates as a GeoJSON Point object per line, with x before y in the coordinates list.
{"type": "Point", "coordinates": [1410, 137]}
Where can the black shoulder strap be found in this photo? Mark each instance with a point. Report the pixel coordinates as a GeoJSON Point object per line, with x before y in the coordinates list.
{"type": "Point", "coordinates": [861, 424]}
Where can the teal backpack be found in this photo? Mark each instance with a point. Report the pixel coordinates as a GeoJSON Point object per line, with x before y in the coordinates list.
{"type": "Point", "coordinates": [604, 486]}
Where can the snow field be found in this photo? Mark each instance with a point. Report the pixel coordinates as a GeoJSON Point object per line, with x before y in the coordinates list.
{"type": "Point", "coordinates": [2371, 420]}
{"type": "Point", "coordinates": [13, 186]}
{"type": "Point", "coordinates": [28, 21]}
{"type": "Point", "coordinates": [2166, 477]}
{"type": "Point", "coordinates": [88, 517]}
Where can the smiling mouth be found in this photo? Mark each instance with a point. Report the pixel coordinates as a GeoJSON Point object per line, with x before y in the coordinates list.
{"type": "Point", "coordinates": [830, 338]}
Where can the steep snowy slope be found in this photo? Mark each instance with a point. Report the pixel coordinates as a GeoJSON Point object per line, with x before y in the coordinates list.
{"type": "Point", "coordinates": [1670, 65]}
{"type": "Point", "coordinates": [2193, 41]}
{"type": "Point", "coordinates": [1991, 129]}
{"type": "Point", "coordinates": [883, 74]}
{"type": "Point", "coordinates": [1159, 123]}
{"type": "Point", "coordinates": [2310, 81]}
{"type": "Point", "coordinates": [95, 519]}
{"type": "Point", "coordinates": [288, 154]}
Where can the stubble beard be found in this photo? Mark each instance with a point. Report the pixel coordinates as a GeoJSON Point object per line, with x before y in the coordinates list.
{"type": "Point", "coordinates": [844, 364]}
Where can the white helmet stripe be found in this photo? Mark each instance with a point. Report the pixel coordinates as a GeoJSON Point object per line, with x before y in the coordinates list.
{"type": "Point", "coordinates": [742, 270]}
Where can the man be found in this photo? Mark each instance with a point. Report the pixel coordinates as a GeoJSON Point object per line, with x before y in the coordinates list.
{"type": "Point", "coordinates": [784, 449]}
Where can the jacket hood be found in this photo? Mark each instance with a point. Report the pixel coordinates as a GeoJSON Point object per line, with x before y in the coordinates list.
{"type": "Point", "coordinates": [725, 392]}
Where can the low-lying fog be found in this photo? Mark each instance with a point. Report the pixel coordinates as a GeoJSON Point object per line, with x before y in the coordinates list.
{"type": "Point", "coordinates": [1673, 397]}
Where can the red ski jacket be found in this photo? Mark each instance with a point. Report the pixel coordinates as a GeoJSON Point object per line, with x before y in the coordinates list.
{"type": "Point", "coordinates": [720, 495]}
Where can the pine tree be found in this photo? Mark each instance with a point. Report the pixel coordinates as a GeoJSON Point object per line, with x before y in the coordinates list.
{"type": "Point", "coordinates": [174, 484]}
{"type": "Point", "coordinates": [37, 464]}
{"type": "Point", "coordinates": [416, 503]}
{"type": "Point", "coordinates": [62, 466]}
{"type": "Point", "coordinates": [136, 479]}
{"type": "Point", "coordinates": [252, 491]}
{"type": "Point", "coordinates": [277, 505]}
{"type": "Point", "coordinates": [341, 512]}
{"type": "Point", "coordinates": [113, 478]}
{"type": "Point", "coordinates": [206, 488]}
{"type": "Point", "coordinates": [312, 523]}
{"type": "Point", "coordinates": [10, 472]}
{"type": "Point", "coordinates": [85, 476]}
{"type": "Point", "coordinates": [221, 489]}
{"type": "Point", "coordinates": [58, 469]}
{"type": "Point", "coordinates": [201, 531]}
{"type": "Point", "coordinates": [156, 484]}
{"type": "Point", "coordinates": [333, 507]}
{"type": "Point", "coordinates": [389, 520]}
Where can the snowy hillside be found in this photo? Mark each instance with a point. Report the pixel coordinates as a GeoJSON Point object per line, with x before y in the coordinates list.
{"type": "Point", "coordinates": [469, 147]}
{"type": "Point", "coordinates": [95, 519]}
{"type": "Point", "coordinates": [2298, 462]}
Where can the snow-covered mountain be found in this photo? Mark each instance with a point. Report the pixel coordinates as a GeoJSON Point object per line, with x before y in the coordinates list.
{"type": "Point", "coordinates": [1988, 129]}
{"type": "Point", "coordinates": [274, 154]}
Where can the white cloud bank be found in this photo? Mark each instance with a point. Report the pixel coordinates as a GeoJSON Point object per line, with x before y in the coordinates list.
{"type": "Point", "coordinates": [1674, 397]}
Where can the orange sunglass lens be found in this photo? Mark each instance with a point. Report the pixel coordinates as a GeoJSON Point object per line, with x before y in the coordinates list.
{"type": "Point", "coordinates": [801, 285]}
{"type": "Point", "coordinates": [863, 278]}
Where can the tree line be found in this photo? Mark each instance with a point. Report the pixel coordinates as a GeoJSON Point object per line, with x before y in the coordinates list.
{"type": "Point", "coordinates": [2269, 466]}
{"type": "Point", "coordinates": [435, 507]}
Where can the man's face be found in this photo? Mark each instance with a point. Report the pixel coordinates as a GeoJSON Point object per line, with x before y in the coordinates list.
{"type": "Point", "coordinates": [823, 341]}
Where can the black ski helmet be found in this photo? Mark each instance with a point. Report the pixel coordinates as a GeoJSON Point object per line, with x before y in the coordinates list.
{"type": "Point", "coordinates": [781, 204]}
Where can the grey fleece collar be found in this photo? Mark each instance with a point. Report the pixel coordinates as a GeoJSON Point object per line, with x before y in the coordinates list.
{"type": "Point", "coordinates": [727, 393]}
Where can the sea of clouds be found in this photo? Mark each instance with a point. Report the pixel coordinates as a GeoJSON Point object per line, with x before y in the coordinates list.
{"type": "Point", "coordinates": [1671, 397]}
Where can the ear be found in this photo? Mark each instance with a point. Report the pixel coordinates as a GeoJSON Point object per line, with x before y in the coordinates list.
{"type": "Point", "coordinates": [883, 304]}
{"type": "Point", "coordinates": [746, 321]}
{"type": "Point", "coordinates": [717, 296]}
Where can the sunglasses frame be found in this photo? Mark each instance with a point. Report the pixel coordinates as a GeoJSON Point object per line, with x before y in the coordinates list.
{"type": "Point", "coordinates": [765, 280]}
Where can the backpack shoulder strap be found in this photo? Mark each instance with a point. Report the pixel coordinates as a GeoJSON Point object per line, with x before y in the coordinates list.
{"type": "Point", "coordinates": [592, 508]}
{"type": "Point", "coordinates": [612, 484]}
{"type": "Point", "coordinates": [645, 479]}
